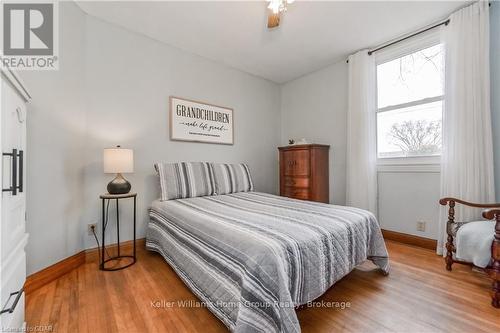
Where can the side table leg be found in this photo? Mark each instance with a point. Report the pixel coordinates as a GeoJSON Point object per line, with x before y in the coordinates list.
{"type": "Point", "coordinates": [135, 199]}
{"type": "Point", "coordinates": [118, 226]}
{"type": "Point", "coordinates": [101, 264]}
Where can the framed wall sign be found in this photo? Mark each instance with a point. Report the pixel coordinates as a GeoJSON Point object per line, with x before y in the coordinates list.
{"type": "Point", "coordinates": [200, 122]}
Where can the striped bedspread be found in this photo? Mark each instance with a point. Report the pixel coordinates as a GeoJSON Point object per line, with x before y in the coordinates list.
{"type": "Point", "coordinates": [252, 257]}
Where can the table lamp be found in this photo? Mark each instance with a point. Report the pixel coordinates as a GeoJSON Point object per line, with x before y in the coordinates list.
{"type": "Point", "coordinates": [118, 160]}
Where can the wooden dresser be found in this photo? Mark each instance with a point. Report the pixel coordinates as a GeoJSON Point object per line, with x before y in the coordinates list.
{"type": "Point", "coordinates": [304, 172]}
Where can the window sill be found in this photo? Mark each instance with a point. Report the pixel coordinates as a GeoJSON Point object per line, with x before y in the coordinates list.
{"type": "Point", "coordinates": [410, 164]}
{"type": "Point", "coordinates": [416, 160]}
{"type": "Point", "coordinates": [409, 168]}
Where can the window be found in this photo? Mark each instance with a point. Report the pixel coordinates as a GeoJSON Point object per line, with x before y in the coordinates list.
{"type": "Point", "coordinates": [410, 92]}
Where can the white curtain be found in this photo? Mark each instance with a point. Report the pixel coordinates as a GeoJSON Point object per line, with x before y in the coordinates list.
{"type": "Point", "coordinates": [467, 158]}
{"type": "Point", "coordinates": [361, 184]}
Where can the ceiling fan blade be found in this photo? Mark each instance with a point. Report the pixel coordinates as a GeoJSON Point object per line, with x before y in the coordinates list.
{"type": "Point", "coordinates": [273, 20]}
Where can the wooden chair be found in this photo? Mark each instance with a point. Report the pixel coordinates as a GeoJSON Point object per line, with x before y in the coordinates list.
{"type": "Point", "coordinates": [493, 268]}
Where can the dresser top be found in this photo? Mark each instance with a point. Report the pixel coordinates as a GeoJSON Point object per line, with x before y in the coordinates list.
{"type": "Point", "coordinates": [306, 146]}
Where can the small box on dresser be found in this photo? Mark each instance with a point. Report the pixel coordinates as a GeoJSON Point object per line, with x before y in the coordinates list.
{"type": "Point", "coordinates": [304, 172]}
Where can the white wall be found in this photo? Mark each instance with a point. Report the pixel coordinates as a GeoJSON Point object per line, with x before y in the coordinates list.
{"type": "Point", "coordinates": [127, 93]}
{"type": "Point", "coordinates": [56, 130]}
{"type": "Point", "coordinates": [314, 107]}
{"type": "Point", "coordinates": [406, 197]}
{"type": "Point", "coordinates": [113, 88]}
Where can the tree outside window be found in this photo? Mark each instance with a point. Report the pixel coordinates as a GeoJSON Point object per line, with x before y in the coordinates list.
{"type": "Point", "coordinates": [410, 100]}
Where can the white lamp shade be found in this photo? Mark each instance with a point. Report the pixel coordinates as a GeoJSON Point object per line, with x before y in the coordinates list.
{"type": "Point", "coordinates": [118, 160]}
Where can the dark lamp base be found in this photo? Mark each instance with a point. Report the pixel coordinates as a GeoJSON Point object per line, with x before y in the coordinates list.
{"type": "Point", "coordinates": [119, 185]}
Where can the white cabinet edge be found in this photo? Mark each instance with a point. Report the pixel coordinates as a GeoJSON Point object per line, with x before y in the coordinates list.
{"type": "Point", "coordinates": [14, 254]}
{"type": "Point", "coordinates": [17, 83]}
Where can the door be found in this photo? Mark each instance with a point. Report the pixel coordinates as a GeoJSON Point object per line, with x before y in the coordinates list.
{"type": "Point", "coordinates": [13, 207]}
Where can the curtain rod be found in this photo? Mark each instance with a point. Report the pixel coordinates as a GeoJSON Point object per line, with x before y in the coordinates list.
{"type": "Point", "coordinates": [409, 36]}
{"type": "Point", "coordinates": [370, 52]}
{"type": "Point", "coordinates": [446, 22]}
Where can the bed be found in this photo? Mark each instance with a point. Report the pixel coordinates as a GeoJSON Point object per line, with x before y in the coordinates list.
{"type": "Point", "coordinates": [253, 257]}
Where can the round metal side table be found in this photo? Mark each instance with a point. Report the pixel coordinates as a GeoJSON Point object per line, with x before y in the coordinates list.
{"type": "Point", "coordinates": [105, 211]}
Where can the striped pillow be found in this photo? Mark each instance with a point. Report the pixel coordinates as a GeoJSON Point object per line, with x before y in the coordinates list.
{"type": "Point", "coordinates": [232, 178]}
{"type": "Point", "coordinates": [185, 180]}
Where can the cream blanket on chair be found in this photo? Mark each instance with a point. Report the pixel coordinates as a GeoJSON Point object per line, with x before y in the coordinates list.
{"type": "Point", "coordinates": [474, 241]}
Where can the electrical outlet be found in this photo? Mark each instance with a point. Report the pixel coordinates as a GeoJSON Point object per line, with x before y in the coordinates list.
{"type": "Point", "coordinates": [421, 225]}
{"type": "Point", "coordinates": [89, 228]}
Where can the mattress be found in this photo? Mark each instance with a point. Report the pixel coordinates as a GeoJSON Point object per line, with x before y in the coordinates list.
{"type": "Point", "coordinates": [253, 257]}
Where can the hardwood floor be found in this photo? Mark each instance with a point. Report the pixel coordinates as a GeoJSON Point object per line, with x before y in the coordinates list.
{"type": "Point", "coordinates": [418, 296]}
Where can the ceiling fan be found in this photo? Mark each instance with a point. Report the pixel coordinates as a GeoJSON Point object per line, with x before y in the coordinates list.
{"type": "Point", "coordinates": [276, 7]}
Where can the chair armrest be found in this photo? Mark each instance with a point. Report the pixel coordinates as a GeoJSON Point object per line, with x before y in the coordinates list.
{"type": "Point", "coordinates": [445, 201]}
{"type": "Point", "coordinates": [490, 214]}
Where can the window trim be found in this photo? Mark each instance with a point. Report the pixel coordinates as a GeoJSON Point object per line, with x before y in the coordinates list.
{"type": "Point", "coordinates": [410, 160]}
{"type": "Point", "coordinates": [410, 104]}
{"type": "Point", "coordinates": [421, 42]}
{"type": "Point", "coordinates": [402, 49]}
{"type": "Point", "coordinates": [409, 168]}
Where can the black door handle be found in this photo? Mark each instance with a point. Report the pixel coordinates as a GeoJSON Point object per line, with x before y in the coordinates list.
{"type": "Point", "coordinates": [13, 186]}
{"type": "Point", "coordinates": [16, 300]}
{"type": "Point", "coordinates": [21, 171]}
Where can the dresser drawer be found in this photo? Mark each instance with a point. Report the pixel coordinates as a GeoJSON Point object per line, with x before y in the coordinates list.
{"type": "Point", "coordinates": [296, 193]}
{"type": "Point", "coordinates": [304, 171]}
{"type": "Point", "coordinates": [296, 181]}
{"type": "Point", "coordinates": [296, 162]}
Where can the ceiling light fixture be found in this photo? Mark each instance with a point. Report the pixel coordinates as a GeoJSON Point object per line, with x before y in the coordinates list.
{"type": "Point", "coordinates": [276, 7]}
